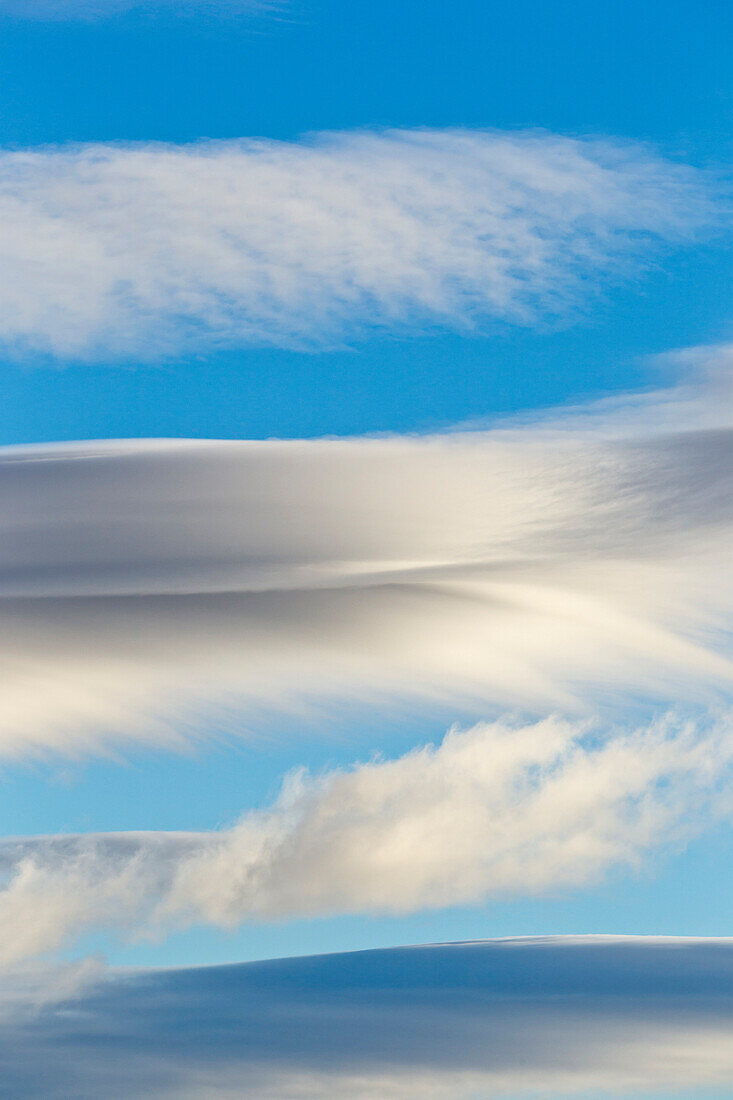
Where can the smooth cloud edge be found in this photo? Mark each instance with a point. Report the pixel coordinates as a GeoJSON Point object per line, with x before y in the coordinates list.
{"type": "Point", "coordinates": [568, 1015]}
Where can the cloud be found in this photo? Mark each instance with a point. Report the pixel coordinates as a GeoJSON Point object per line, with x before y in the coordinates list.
{"type": "Point", "coordinates": [555, 1016]}
{"type": "Point", "coordinates": [574, 562]}
{"type": "Point", "coordinates": [99, 9]}
{"type": "Point", "coordinates": [152, 590]}
{"type": "Point", "coordinates": [149, 250]}
{"type": "Point", "coordinates": [496, 810]}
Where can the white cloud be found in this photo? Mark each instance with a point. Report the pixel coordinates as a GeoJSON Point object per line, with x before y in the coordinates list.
{"type": "Point", "coordinates": [555, 1017]}
{"type": "Point", "coordinates": [140, 251]}
{"type": "Point", "coordinates": [145, 585]}
{"type": "Point", "coordinates": [496, 810]}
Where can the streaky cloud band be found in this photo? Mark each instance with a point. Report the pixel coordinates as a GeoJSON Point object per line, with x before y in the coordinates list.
{"type": "Point", "coordinates": [101, 9]}
{"type": "Point", "coordinates": [141, 251]}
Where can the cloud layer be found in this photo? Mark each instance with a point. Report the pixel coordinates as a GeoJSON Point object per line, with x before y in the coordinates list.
{"type": "Point", "coordinates": [577, 559]}
{"type": "Point", "coordinates": [151, 250]}
{"type": "Point", "coordinates": [493, 811]}
{"type": "Point", "coordinates": [151, 589]}
{"type": "Point", "coordinates": [559, 1016]}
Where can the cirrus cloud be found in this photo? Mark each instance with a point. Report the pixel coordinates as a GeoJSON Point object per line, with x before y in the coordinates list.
{"type": "Point", "coordinates": [100, 9]}
{"type": "Point", "coordinates": [149, 250]}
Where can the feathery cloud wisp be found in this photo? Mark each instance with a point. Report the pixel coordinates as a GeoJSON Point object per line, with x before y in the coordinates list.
{"type": "Point", "coordinates": [100, 9]}
{"type": "Point", "coordinates": [149, 250]}
{"type": "Point", "coordinates": [496, 810]}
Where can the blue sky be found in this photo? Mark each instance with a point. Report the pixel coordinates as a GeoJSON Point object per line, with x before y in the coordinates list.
{"type": "Point", "coordinates": [658, 72]}
{"type": "Point", "coordinates": [513, 218]}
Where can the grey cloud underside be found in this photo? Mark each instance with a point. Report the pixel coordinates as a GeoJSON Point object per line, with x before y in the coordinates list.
{"type": "Point", "coordinates": [563, 1016]}
{"type": "Point", "coordinates": [196, 517]}
{"type": "Point", "coordinates": [147, 588]}
{"type": "Point", "coordinates": [149, 250]}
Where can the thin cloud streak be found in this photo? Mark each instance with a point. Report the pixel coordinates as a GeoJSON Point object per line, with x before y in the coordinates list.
{"type": "Point", "coordinates": [556, 1016]}
{"type": "Point", "coordinates": [154, 250]}
{"type": "Point", "coordinates": [102, 9]}
{"type": "Point", "coordinates": [497, 810]}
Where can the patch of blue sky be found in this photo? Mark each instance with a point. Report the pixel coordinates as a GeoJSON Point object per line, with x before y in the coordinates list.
{"type": "Point", "coordinates": [657, 71]}
{"type": "Point", "coordinates": [425, 382]}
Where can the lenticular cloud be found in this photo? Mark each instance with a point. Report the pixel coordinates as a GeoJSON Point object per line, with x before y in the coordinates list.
{"type": "Point", "coordinates": [567, 1016]}
{"type": "Point", "coordinates": [146, 586]}
{"type": "Point", "coordinates": [151, 250]}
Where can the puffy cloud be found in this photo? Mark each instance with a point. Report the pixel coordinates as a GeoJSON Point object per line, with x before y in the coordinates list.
{"type": "Point", "coordinates": [150, 588]}
{"type": "Point", "coordinates": [113, 250]}
{"type": "Point", "coordinates": [498, 809]}
{"type": "Point", "coordinates": [557, 1016]}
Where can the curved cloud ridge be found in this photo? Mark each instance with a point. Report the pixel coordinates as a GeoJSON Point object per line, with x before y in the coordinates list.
{"type": "Point", "coordinates": [151, 250]}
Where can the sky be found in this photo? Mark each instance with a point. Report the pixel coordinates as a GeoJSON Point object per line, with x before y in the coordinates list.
{"type": "Point", "coordinates": [365, 449]}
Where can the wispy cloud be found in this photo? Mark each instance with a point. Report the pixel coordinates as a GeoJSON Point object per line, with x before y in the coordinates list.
{"type": "Point", "coordinates": [140, 251]}
{"type": "Point", "coordinates": [500, 809]}
{"type": "Point", "coordinates": [100, 9]}
{"type": "Point", "coordinates": [554, 1016]}
{"type": "Point", "coordinates": [549, 565]}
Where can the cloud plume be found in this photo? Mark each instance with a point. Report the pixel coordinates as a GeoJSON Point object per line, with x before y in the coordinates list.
{"type": "Point", "coordinates": [556, 1017]}
{"type": "Point", "coordinates": [496, 810]}
{"type": "Point", "coordinates": [142, 251]}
